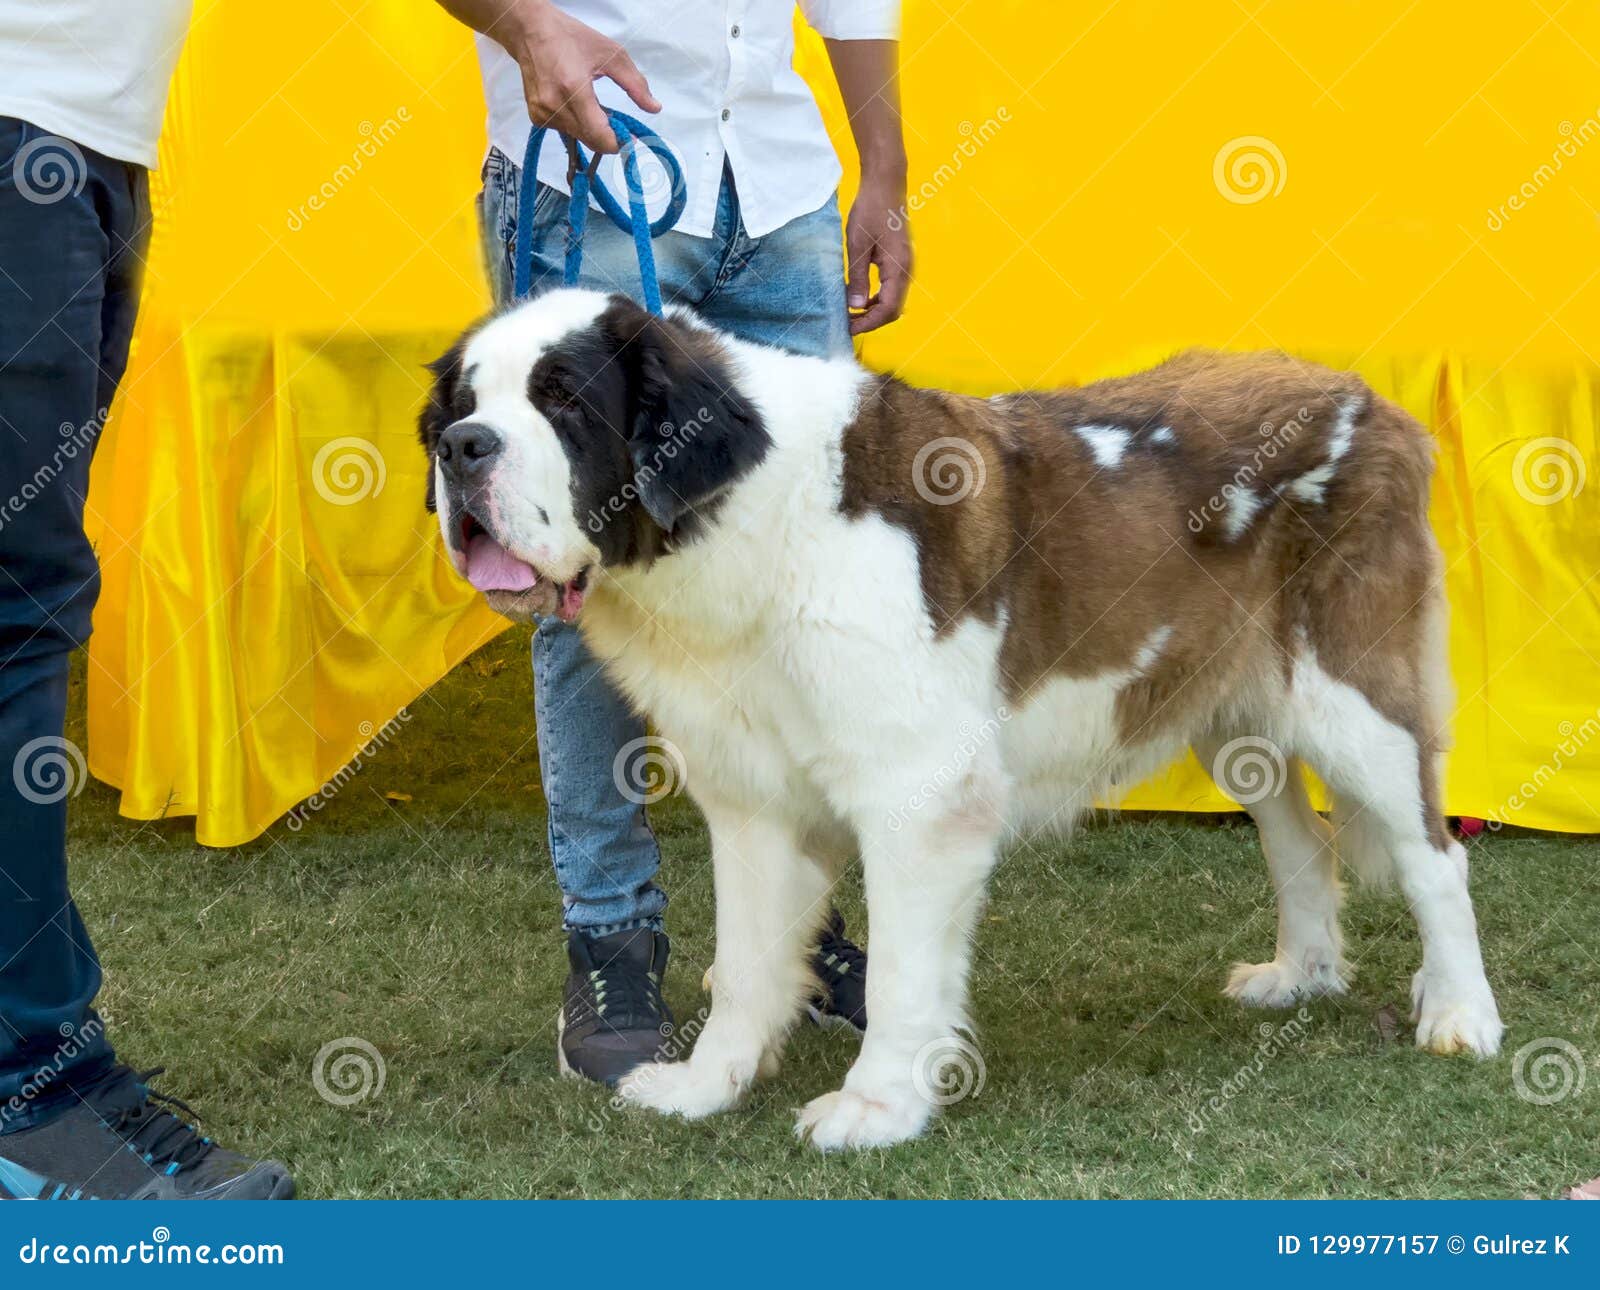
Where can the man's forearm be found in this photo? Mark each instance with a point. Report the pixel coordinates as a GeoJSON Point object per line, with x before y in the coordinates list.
{"type": "Point", "coordinates": [868, 73]}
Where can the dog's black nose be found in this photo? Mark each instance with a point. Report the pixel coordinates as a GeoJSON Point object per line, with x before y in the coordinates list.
{"type": "Point", "coordinates": [467, 449]}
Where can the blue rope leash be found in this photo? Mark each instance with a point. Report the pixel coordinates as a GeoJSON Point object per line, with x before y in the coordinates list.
{"type": "Point", "coordinates": [631, 134]}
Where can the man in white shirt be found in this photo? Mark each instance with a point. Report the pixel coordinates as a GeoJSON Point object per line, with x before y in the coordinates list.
{"type": "Point", "coordinates": [82, 88]}
{"type": "Point", "coordinates": [757, 250]}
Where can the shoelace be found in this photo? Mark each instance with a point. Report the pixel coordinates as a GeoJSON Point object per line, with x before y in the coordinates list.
{"type": "Point", "coordinates": [155, 1132]}
{"type": "Point", "coordinates": [837, 956]}
{"type": "Point", "coordinates": [624, 999]}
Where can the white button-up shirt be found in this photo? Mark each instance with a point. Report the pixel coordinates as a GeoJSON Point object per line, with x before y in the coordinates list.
{"type": "Point", "coordinates": [723, 71]}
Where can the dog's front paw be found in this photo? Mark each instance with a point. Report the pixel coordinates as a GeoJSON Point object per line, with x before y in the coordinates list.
{"type": "Point", "coordinates": [1455, 1021]}
{"type": "Point", "coordinates": [1280, 983]}
{"type": "Point", "coordinates": [692, 1089]}
{"type": "Point", "coordinates": [848, 1119]}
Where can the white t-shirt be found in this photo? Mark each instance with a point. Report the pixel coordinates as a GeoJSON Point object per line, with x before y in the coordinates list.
{"type": "Point", "coordinates": [723, 71]}
{"type": "Point", "coordinates": [93, 71]}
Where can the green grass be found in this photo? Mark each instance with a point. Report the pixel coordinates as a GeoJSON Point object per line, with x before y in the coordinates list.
{"type": "Point", "coordinates": [429, 928]}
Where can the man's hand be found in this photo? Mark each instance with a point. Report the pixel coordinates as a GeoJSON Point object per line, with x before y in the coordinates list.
{"type": "Point", "coordinates": [876, 234]}
{"type": "Point", "coordinates": [560, 58]}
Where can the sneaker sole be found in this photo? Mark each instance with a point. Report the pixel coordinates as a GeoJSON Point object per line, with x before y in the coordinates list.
{"type": "Point", "coordinates": [563, 1066]}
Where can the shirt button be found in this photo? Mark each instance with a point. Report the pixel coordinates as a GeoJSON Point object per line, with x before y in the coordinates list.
{"type": "Point", "coordinates": [726, 113]}
{"type": "Point", "coordinates": [735, 32]}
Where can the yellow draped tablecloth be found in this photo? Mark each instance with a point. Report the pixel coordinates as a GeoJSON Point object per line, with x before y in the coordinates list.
{"type": "Point", "coordinates": [1410, 191]}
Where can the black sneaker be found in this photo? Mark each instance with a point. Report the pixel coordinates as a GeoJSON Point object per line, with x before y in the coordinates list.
{"type": "Point", "coordinates": [613, 1017]}
{"type": "Point", "coordinates": [841, 968]}
{"type": "Point", "coordinates": [119, 1142]}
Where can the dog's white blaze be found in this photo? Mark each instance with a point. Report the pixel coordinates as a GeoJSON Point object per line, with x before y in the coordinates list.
{"type": "Point", "coordinates": [1242, 506]}
{"type": "Point", "coordinates": [1151, 649]}
{"type": "Point", "coordinates": [1107, 443]}
{"type": "Point", "coordinates": [1311, 487]}
{"type": "Point", "coordinates": [529, 492]}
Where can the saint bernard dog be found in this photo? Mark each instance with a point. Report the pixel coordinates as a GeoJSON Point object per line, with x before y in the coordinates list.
{"type": "Point", "coordinates": [893, 623]}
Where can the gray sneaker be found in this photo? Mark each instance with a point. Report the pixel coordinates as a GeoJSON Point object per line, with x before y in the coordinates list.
{"type": "Point", "coordinates": [613, 1017]}
{"type": "Point", "coordinates": [120, 1142]}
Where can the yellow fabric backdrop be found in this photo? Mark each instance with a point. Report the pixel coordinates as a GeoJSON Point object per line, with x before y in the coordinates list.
{"type": "Point", "coordinates": [273, 589]}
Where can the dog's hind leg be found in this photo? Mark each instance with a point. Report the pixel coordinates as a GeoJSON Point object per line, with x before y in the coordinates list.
{"type": "Point", "coordinates": [1387, 778]}
{"type": "Point", "coordinates": [1298, 845]}
{"type": "Point", "coordinates": [924, 884]}
{"type": "Point", "coordinates": [771, 898]}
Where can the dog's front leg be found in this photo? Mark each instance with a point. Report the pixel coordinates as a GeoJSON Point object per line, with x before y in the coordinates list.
{"type": "Point", "coordinates": [924, 884]}
{"type": "Point", "coordinates": [770, 900]}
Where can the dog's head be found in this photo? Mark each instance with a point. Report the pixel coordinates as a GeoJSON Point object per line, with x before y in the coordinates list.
{"type": "Point", "coordinates": [577, 433]}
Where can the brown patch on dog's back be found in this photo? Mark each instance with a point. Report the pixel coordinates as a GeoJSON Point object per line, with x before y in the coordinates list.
{"type": "Point", "coordinates": [1230, 518]}
{"type": "Point", "coordinates": [896, 466]}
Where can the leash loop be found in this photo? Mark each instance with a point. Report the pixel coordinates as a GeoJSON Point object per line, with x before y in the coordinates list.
{"type": "Point", "coordinates": [584, 181]}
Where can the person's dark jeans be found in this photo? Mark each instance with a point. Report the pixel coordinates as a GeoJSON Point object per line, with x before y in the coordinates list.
{"type": "Point", "coordinates": [74, 225]}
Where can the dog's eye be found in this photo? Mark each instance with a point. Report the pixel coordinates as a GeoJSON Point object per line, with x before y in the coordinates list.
{"type": "Point", "coordinates": [552, 389]}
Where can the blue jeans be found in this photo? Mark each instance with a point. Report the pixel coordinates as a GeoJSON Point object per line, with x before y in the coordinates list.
{"type": "Point", "coordinates": [785, 289]}
{"type": "Point", "coordinates": [70, 259]}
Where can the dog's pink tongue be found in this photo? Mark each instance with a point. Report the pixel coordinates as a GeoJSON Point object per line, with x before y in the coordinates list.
{"type": "Point", "coordinates": [490, 567]}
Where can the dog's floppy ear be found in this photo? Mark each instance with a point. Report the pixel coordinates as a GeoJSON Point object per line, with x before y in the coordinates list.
{"type": "Point", "coordinates": [692, 434]}
{"type": "Point", "coordinates": [445, 404]}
